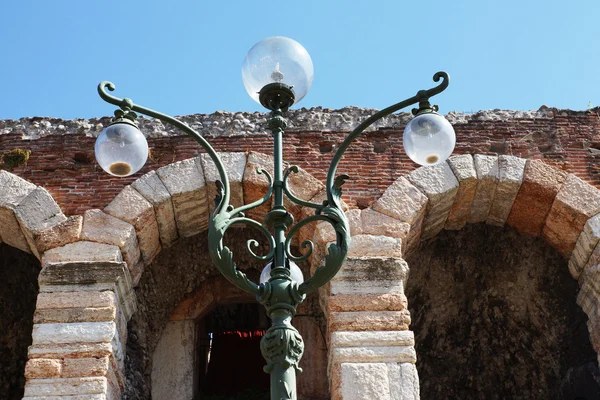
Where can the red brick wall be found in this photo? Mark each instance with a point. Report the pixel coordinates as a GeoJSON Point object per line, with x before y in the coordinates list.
{"type": "Point", "coordinates": [65, 164]}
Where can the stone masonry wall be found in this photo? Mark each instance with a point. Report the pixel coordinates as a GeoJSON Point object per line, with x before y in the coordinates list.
{"type": "Point", "coordinates": [62, 152]}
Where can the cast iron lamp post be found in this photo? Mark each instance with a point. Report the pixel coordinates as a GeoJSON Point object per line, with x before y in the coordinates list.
{"type": "Point", "coordinates": [277, 72]}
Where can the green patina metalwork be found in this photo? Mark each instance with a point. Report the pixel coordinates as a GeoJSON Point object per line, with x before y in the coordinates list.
{"type": "Point", "coordinates": [282, 345]}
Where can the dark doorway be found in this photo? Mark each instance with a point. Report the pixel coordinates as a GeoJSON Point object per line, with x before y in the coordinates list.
{"type": "Point", "coordinates": [230, 361]}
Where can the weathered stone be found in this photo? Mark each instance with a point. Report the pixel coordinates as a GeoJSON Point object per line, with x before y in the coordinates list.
{"type": "Point", "coordinates": [75, 300]}
{"type": "Point", "coordinates": [575, 203]}
{"type": "Point", "coordinates": [305, 187]}
{"type": "Point", "coordinates": [372, 339]}
{"type": "Point", "coordinates": [375, 246]}
{"type": "Point", "coordinates": [73, 350]}
{"type": "Point", "coordinates": [256, 184]}
{"type": "Point", "coordinates": [464, 170]}
{"type": "Point", "coordinates": [91, 276]}
{"type": "Point", "coordinates": [440, 185]}
{"type": "Point", "coordinates": [487, 181]}
{"type": "Point", "coordinates": [510, 177]}
{"type": "Point", "coordinates": [369, 321]}
{"type": "Point", "coordinates": [586, 243]}
{"type": "Point", "coordinates": [130, 206]}
{"type": "Point", "coordinates": [366, 301]}
{"type": "Point", "coordinates": [82, 251]}
{"type": "Point", "coordinates": [173, 374]}
{"type": "Point", "coordinates": [541, 183]}
{"type": "Point", "coordinates": [234, 164]}
{"type": "Point", "coordinates": [74, 397]}
{"type": "Point", "coordinates": [404, 381]}
{"type": "Point", "coordinates": [368, 354]}
{"type": "Point", "coordinates": [65, 232]}
{"type": "Point", "coordinates": [66, 386]}
{"type": "Point", "coordinates": [82, 367]}
{"type": "Point", "coordinates": [402, 201]}
{"type": "Point", "coordinates": [359, 381]}
{"type": "Point", "coordinates": [185, 182]}
{"type": "Point", "coordinates": [36, 212]}
{"type": "Point", "coordinates": [14, 189]}
{"type": "Point", "coordinates": [370, 275]}
{"type": "Point", "coordinates": [103, 228]}
{"type": "Point", "coordinates": [67, 315]}
{"type": "Point", "coordinates": [80, 332]}
{"type": "Point", "coordinates": [151, 187]}
{"type": "Point", "coordinates": [43, 368]}
{"type": "Point", "coordinates": [376, 223]}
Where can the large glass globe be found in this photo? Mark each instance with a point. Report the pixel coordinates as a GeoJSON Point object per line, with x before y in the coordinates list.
{"type": "Point", "coordinates": [277, 59]}
{"type": "Point", "coordinates": [429, 139]}
{"type": "Point", "coordinates": [295, 273]}
{"type": "Point", "coordinates": [121, 149]}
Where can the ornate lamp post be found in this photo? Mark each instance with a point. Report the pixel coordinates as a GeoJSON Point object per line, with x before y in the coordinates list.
{"type": "Point", "coordinates": [277, 72]}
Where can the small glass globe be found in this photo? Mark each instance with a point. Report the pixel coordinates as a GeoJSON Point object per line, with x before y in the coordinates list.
{"type": "Point", "coordinates": [277, 59]}
{"type": "Point", "coordinates": [121, 149]}
{"type": "Point", "coordinates": [295, 273]}
{"type": "Point", "coordinates": [429, 139]}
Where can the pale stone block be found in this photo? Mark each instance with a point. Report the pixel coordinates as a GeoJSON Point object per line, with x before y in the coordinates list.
{"type": "Point", "coordinates": [464, 170]}
{"type": "Point", "coordinates": [586, 243]}
{"type": "Point", "coordinates": [76, 397]}
{"type": "Point", "coordinates": [82, 251]}
{"type": "Point", "coordinates": [364, 269]}
{"type": "Point", "coordinates": [360, 301]}
{"type": "Point", "coordinates": [151, 187]}
{"type": "Point", "coordinates": [404, 381]}
{"type": "Point", "coordinates": [234, 164]}
{"type": "Point", "coordinates": [185, 182]}
{"type": "Point", "coordinates": [173, 362]}
{"type": "Point", "coordinates": [42, 368]}
{"type": "Point", "coordinates": [510, 177]}
{"type": "Point", "coordinates": [305, 187]}
{"type": "Point", "coordinates": [14, 190]}
{"type": "Point", "coordinates": [369, 321]}
{"type": "Point", "coordinates": [386, 354]}
{"type": "Point", "coordinates": [36, 212]}
{"type": "Point", "coordinates": [65, 232]}
{"type": "Point", "coordinates": [376, 223]}
{"type": "Point", "coordinates": [130, 206]}
{"type": "Point", "coordinates": [75, 300]}
{"type": "Point", "coordinates": [65, 386]}
{"type": "Point", "coordinates": [374, 287]}
{"type": "Point", "coordinates": [575, 203]}
{"type": "Point", "coordinates": [82, 367]}
{"type": "Point", "coordinates": [65, 315]}
{"type": "Point", "coordinates": [360, 381]}
{"type": "Point", "coordinates": [440, 185]}
{"type": "Point", "coordinates": [66, 350]}
{"type": "Point", "coordinates": [541, 183]}
{"type": "Point", "coordinates": [487, 181]}
{"type": "Point", "coordinates": [103, 228]}
{"type": "Point", "coordinates": [375, 246]}
{"type": "Point", "coordinates": [403, 201]}
{"type": "Point", "coordinates": [308, 231]}
{"type": "Point", "coordinates": [91, 276]}
{"type": "Point", "coordinates": [91, 332]}
{"type": "Point", "coordinates": [256, 184]}
{"type": "Point", "coordinates": [372, 339]}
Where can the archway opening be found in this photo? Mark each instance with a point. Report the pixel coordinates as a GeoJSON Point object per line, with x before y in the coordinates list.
{"type": "Point", "coordinates": [495, 316]}
{"type": "Point", "coordinates": [230, 360]}
{"type": "Point", "coordinates": [18, 294]}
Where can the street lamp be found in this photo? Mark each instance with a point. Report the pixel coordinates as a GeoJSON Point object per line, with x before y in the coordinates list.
{"type": "Point", "coordinates": [277, 73]}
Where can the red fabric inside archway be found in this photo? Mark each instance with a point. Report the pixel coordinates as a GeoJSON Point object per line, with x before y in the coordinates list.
{"type": "Point", "coordinates": [236, 363]}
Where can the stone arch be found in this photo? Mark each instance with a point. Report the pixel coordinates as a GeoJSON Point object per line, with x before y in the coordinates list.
{"type": "Point", "coordinates": [527, 195]}
{"type": "Point", "coordinates": [94, 261]}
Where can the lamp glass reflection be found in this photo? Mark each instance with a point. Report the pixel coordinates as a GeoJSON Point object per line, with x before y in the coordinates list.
{"type": "Point", "coordinates": [277, 59]}
{"type": "Point", "coordinates": [295, 272]}
{"type": "Point", "coordinates": [429, 139]}
{"type": "Point", "coordinates": [121, 149]}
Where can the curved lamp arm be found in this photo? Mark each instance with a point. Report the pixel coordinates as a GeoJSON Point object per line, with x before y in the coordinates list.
{"type": "Point", "coordinates": [422, 97]}
{"type": "Point", "coordinates": [224, 213]}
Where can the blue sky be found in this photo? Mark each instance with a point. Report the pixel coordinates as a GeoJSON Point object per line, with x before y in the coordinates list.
{"type": "Point", "coordinates": [184, 57]}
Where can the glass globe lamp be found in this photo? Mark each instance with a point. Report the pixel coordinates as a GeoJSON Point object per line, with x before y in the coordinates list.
{"type": "Point", "coordinates": [295, 272]}
{"type": "Point", "coordinates": [280, 63]}
{"type": "Point", "coordinates": [121, 149]}
{"type": "Point", "coordinates": [429, 139]}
